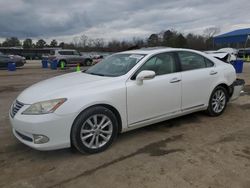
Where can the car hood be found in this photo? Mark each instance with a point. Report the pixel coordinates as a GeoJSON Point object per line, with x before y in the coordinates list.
{"type": "Point", "coordinates": [16, 57]}
{"type": "Point", "coordinates": [61, 87]}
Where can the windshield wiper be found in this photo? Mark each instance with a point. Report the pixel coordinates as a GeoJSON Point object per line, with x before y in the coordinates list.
{"type": "Point", "coordinates": [95, 74]}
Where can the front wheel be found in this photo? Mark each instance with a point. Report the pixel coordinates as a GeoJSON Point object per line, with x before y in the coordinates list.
{"type": "Point", "coordinates": [218, 101]}
{"type": "Point", "coordinates": [94, 130]}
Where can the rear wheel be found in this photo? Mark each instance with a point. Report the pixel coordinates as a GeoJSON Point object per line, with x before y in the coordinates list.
{"type": "Point", "coordinates": [88, 62]}
{"type": "Point", "coordinates": [94, 130]}
{"type": "Point", "coordinates": [218, 101]}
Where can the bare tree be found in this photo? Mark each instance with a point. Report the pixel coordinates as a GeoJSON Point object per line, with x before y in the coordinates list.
{"type": "Point", "coordinates": [211, 31]}
{"type": "Point", "coordinates": [83, 41]}
{"type": "Point", "coordinates": [90, 42]}
{"type": "Point", "coordinates": [76, 41]}
{"type": "Point", "coordinates": [98, 43]}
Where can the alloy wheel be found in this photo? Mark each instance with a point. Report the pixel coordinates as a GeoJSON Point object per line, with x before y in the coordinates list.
{"type": "Point", "coordinates": [218, 101]}
{"type": "Point", "coordinates": [96, 131]}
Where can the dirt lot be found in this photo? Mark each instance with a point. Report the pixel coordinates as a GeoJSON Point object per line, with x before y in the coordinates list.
{"type": "Point", "coordinates": [191, 151]}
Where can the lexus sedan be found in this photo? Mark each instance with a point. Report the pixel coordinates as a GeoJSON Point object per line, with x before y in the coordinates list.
{"type": "Point", "coordinates": [125, 91]}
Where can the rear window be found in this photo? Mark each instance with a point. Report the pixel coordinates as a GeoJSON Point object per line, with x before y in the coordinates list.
{"type": "Point", "coordinates": [191, 61]}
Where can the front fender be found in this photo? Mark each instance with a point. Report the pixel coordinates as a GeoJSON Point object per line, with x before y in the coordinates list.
{"type": "Point", "coordinates": [115, 98]}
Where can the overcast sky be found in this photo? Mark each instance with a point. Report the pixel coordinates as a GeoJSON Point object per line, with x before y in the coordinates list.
{"type": "Point", "coordinates": [117, 19]}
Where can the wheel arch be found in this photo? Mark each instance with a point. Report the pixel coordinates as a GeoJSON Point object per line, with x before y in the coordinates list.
{"type": "Point", "coordinates": [228, 89]}
{"type": "Point", "coordinates": [88, 59]}
{"type": "Point", "coordinates": [108, 106]}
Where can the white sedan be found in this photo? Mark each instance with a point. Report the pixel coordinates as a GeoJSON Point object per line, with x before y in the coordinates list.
{"type": "Point", "coordinates": [125, 91]}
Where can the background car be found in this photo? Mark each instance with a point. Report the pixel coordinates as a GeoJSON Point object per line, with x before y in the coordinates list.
{"type": "Point", "coordinates": [125, 91]}
{"type": "Point", "coordinates": [5, 59]}
{"type": "Point", "coordinates": [224, 54]}
{"type": "Point", "coordinates": [244, 52]}
{"type": "Point", "coordinates": [69, 57]}
{"type": "Point", "coordinates": [97, 59]}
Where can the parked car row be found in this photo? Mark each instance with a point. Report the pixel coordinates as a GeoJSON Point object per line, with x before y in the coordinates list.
{"type": "Point", "coordinates": [66, 56]}
{"type": "Point", "coordinates": [5, 59]}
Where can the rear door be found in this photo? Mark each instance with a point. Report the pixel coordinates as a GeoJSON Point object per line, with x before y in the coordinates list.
{"type": "Point", "coordinates": [198, 78]}
{"type": "Point", "coordinates": [78, 58]}
{"type": "Point", "coordinates": [67, 55]}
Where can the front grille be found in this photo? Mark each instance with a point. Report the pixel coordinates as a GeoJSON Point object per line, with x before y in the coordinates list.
{"type": "Point", "coordinates": [24, 137]}
{"type": "Point", "coordinates": [16, 106]}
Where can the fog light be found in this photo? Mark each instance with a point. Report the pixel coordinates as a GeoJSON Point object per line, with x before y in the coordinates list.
{"type": "Point", "coordinates": [40, 139]}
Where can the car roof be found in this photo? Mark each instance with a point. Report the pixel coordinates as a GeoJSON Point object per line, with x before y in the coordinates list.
{"type": "Point", "coordinates": [155, 50]}
{"type": "Point", "coordinates": [65, 50]}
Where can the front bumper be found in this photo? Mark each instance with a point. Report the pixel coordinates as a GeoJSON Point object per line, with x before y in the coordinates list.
{"type": "Point", "coordinates": [55, 127]}
{"type": "Point", "coordinates": [20, 63]}
{"type": "Point", "coordinates": [236, 88]}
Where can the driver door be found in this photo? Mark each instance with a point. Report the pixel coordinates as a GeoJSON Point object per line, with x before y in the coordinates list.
{"type": "Point", "coordinates": [158, 97]}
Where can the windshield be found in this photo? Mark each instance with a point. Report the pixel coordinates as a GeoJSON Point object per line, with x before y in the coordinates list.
{"type": "Point", "coordinates": [115, 65]}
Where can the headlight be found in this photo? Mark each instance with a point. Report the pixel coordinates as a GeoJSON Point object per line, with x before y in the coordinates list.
{"type": "Point", "coordinates": [44, 107]}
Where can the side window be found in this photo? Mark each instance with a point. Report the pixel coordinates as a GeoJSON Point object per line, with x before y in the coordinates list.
{"type": "Point", "coordinates": [4, 57]}
{"type": "Point", "coordinates": [76, 53]}
{"type": "Point", "coordinates": [161, 64]}
{"type": "Point", "coordinates": [61, 52]}
{"type": "Point", "coordinates": [190, 61]}
{"type": "Point", "coordinates": [66, 52]}
{"type": "Point", "coordinates": [209, 63]}
{"type": "Point", "coordinates": [52, 52]}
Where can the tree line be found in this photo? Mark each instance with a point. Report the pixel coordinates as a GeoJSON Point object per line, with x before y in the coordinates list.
{"type": "Point", "coordinates": [168, 38]}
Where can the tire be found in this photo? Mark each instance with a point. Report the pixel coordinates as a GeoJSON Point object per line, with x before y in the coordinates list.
{"type": "Point", "coordinates": [88, 136]}
{"type": "Point", "coordinates": [218, 101]}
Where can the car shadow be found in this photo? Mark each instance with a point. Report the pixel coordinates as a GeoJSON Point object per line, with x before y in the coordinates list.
{"type": "Point", "coordinates": [165, 126]}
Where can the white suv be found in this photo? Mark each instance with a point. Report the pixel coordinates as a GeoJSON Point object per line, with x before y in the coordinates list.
{"type": "Point", "coordinates": [69, 57]}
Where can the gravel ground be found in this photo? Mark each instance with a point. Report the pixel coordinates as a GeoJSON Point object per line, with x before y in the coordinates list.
{"type": "Point", "coordinates": [190, 151]}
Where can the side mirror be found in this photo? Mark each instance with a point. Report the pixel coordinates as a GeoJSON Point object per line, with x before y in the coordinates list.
{"type": "Point", "coordinates": [144, 75]}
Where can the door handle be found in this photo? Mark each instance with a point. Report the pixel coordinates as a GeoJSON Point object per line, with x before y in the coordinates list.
{"type": "Point", "coordinates": [213, 72]}
{"type": "Point", "coordinates": [174, 80]}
